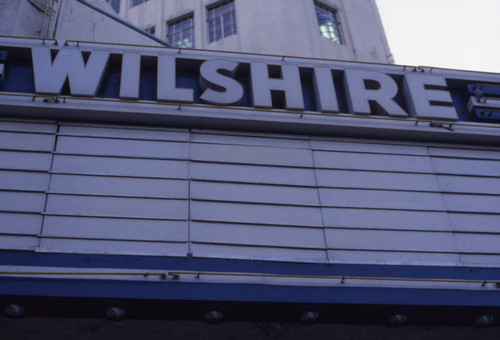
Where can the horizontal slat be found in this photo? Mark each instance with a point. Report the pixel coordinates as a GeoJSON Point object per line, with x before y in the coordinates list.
{"type": "Point", "coordinates": [390, 219]}
{"type": "Point", "coordinates": [237, 234]}
{"type": "Point", "coordinates": [475, 222]}
{"type": "Point", "coordinates": [18, 242]}
{"type": "Point", "coordinates": [379, 199]}
{"type": "Point", "coordinates": [120, 166]}
{"type": "Point", "coordinates": [17, 160]}
{"type": "Point", "coordinates": [114, 206]}
{"type": "Point", "coordinates": [397, 258]}
{"type": "Point", "coordinates": [122, 148]}
{"type": "Point", "coordinates": [252, 174]}
{"type": "Point", "coordinates": [374, 162]}
{"type": "Point", "coordinates": [465, 153]}
{"type": "Point", "coordinates": [254, 193]}
{"type": "Point", "coordinates": [27, 127]}
{"type": "Point", "coordinates": [466, 167]}
{"type": "Point", "coordinates": [26, 141]}
{"type": "Point", "coordinates": [21, 201]}
{"type": "Point", "coordinates": [369, 147]}
{"type": "Point", "coordinates": [126, 133]}
{"type": "Point", "coordinates": [119, 186]}
{"type": "Point", "coordinates": [112, 247]}
{"type": "Point", "coordinates": [255, 213]}
{"type": "Point", "coordinates": [258, 253]}
{"type": "Point", "coordinates": [479, 185]}
{"type": "Point", "coordinates": [250, 140]}
{"type": "Point", "coordinates": [251, 155]}
{"type": "Point", "coordinates": [471, 260]}
{"type": "Point", "coordinates": [478, 243]}
{"type": "Point", "coordinates": [376, 180]}
{"type": "Point", "coordinates": [390, 240]}
{"type": "Point", "coordinates": [473, 203]}
{"type": "Point", "coordinates": [119, 229]}
{"type": "Point", "coordinates": [21, 180]}
{"type": "Point", "coordinates": [29, 224]}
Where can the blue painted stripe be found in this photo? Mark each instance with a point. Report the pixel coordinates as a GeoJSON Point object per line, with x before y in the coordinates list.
{"type": "Point", "coordinates": [108, 289]}
{"type": "Point", "coordinates": [25, 258]}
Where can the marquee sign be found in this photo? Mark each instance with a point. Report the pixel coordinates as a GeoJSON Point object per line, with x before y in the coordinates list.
{"type": "Point", "coordinates": [141, 75]}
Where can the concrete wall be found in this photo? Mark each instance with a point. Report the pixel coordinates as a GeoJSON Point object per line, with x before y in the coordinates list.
{"type": "Point", "coordinates": [70, 20]}
{"type": "Point", "coordinates": [79, 22]}
{"type": "Point", "coordinates": [22, 18]}
{"type": "Point", "coordinates": [283, 27]}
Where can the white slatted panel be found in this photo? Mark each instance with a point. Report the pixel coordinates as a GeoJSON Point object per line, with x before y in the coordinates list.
{"type": "Point", "coordinates": [124, 132]}
{"type": "Point", "coordinates": [470, 176]}
{"type": "Point", "coordinates": [89, 165]}
{"type": "Point", "coordinates": [119, 186]}
{"type": "Point", "coordinates": [394, 257]}
{"type": "Point", "coordinates": [373, 162]}
{"type": "Point", "coordinates": [132, 190]}
{"type": "Point", "coordinates": [232, 192]}
{"type": "Point", "coordinates": [251, 155]}
{"type": "Point", "coordinates": [114, 246]}
{"type": "Point", "coordinates": [118, 190]}
{"type": "Point", "coordinates": [256, 214]}
{"type": "Point", "coordinates": [18, 160]}
{"type": "Point", "coordinates": [379, 199]}
{"type": "Point", "coordinates": [25, 160]}
{"type": "Point", "coordinates": [255, 197]}
{"type": "Point", "coordinates": [469, 167]}
{"type": "Point", "coordinates": [253, 174]}
{"type": "Point", "coordinates": [121, 147]}
{"type": "Point", "coordinates": [386, 219]}
{"type": "Point", "coordinates": [377, 180]}
{"type": "Point", "coordinates": [115, 228]}
{"type": "Point", "coordinates": [469, 184]}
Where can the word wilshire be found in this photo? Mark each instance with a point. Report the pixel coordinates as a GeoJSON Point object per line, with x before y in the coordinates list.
{"type": "Point", "coordinates": [366, 91]}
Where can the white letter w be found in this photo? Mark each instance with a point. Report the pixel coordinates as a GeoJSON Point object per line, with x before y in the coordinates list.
{"type": "Point", "coordinates": [84, 79]}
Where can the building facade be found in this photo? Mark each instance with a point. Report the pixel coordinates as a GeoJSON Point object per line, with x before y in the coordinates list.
{"type": "Point", "coordinates": [226, 180]}
{"type": "Point", "coordinates": [169, 183]}
{"type": "Point", "coordinates": [330, 29]}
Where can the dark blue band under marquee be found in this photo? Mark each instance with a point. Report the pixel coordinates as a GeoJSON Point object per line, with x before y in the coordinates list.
{"type": "Point", "coordinates": [178, 290]}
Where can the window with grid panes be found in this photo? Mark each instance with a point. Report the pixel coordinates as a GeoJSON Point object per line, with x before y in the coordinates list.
{"type": "Point", "coordinates": [181, 32]}
{"type": "Point", "coordinates": [221, 21]}
{"type": "Point", "coordinates": [328, 23]}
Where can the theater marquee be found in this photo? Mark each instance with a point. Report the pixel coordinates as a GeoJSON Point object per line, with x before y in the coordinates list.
{"type": "Point", "coordinates": [104, 80]}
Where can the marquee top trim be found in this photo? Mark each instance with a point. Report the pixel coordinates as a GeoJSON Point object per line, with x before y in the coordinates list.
{"type": "Point", "coordinates": [132, 78]}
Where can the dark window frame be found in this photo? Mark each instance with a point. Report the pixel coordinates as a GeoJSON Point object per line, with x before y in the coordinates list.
{"type": "Point", "coordinates": [328, 22]}
{"type": "Point", "coordinates": [221, 18]}
{"type": "Point", "coordinates": [183, 27]}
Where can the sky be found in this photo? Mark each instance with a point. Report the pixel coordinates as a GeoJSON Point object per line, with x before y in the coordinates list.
{"type": "Point", "coordinates": [457, 34]}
